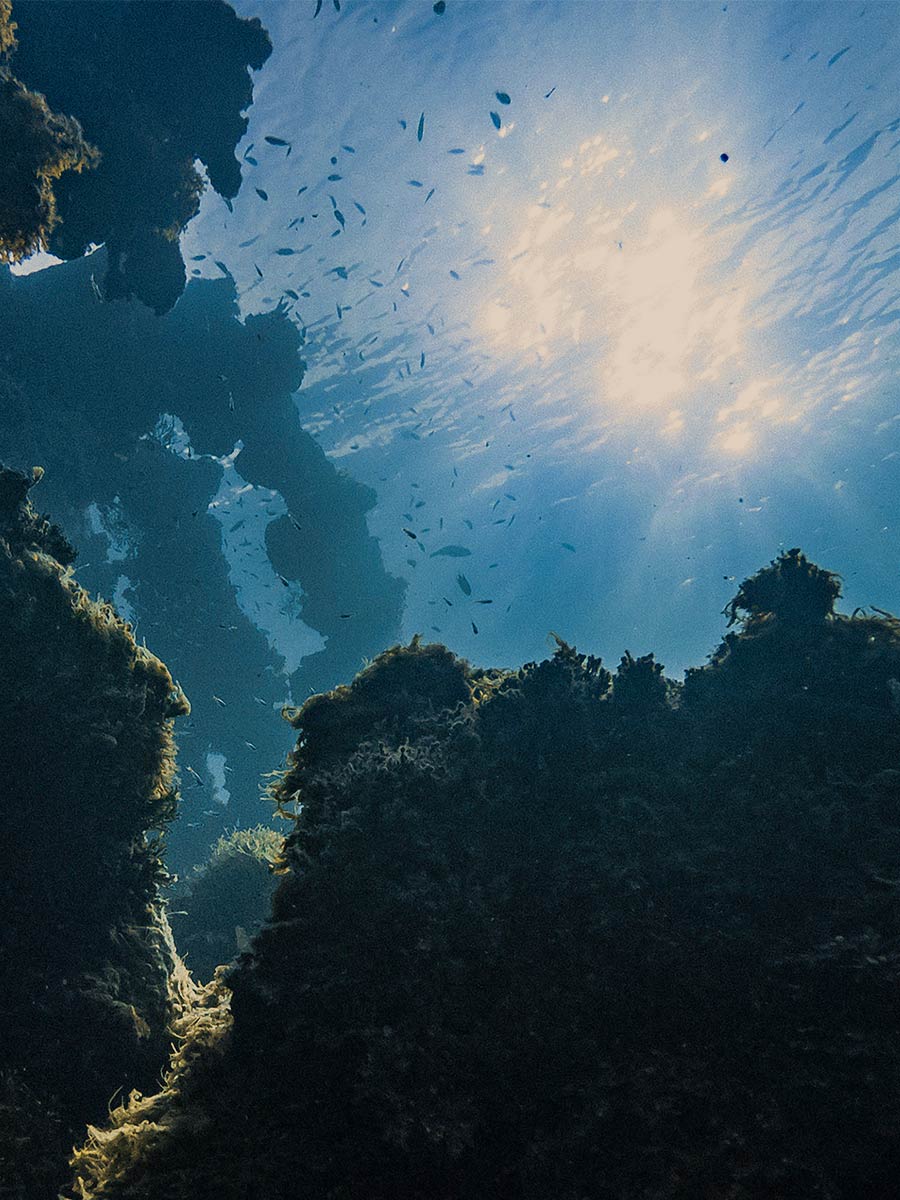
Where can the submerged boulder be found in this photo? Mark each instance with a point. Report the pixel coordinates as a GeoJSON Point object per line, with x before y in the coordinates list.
{"type": "Point", "coordinates": [89, 976]}
{"type": "Point", "coordinates": [558, 933]}
{"type": "Point", "coordinates": [221, 906]}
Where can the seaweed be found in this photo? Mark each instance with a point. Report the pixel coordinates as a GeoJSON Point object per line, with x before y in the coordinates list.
{"type": "Point", "coordinates": [89, 975]}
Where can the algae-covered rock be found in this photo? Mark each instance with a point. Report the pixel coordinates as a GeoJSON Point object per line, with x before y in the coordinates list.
{"type": "Point", "coordinates": [155, 87]}
{"type": "Point", "coordinates": [38, 146]}
{"type": "Point", "coordinates": [89, 976]}
{"type": "Point", "coordinates": [550, 933]}
{"type": "Point", "coordinates": [222, 906]}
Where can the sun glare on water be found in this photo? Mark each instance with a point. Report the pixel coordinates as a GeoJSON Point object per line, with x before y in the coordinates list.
{"type": "Point", "coordinates": [628, 294]}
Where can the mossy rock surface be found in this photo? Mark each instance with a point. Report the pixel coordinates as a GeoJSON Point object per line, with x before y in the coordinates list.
{"type": "Point", "coordinates": [89, 976]}
{"type": "Point", "coordinates": [565, 933]}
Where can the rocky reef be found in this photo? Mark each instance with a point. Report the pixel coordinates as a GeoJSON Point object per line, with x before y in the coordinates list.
{"type": "Point", "coordinates": [154, 88]}
{"type": "Point", "coordinates": [83, 386]}
{"type": "Point", "coordinates": [561, 932]}
{"type": "Point", "coordinates": [38, 146]}
{"type": "Point", "coordinates": [89, 977]}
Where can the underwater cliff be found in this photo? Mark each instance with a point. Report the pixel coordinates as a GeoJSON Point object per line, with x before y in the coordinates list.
{"type": "Point", "coordinates": [89, 976]}
{"type": "Point", "coordinates": [565, 932]}
{"type": "Point", "coordinates": [83, 388]}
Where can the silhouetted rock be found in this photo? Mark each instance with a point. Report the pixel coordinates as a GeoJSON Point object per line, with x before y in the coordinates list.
{"type": "Point", "coordinates": [538, 939]}
{"type": "Point", "coordinates": [38, 146]}
{"type": "Point", "coordinates": [82, 387]}
{"type": "Point", "coordinates": [155, 87]}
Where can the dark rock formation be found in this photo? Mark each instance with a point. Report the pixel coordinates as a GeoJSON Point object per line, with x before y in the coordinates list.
{"type": "Point", "coordinates": [89, 977]}
{"type": "Point", "coordinates": [82, 386]}
{"type": "Point", "coordinates": [38, 146]}
{"type": "Point", "coordinates": [554, 933]}
{"type": "Point", "coordinates": [155, 87]}
{"type": "Point", "coordinates": [222, 905]}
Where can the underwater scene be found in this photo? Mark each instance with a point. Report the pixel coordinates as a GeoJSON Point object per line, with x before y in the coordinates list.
{"type": "Point", "coordinates": [449, 550]}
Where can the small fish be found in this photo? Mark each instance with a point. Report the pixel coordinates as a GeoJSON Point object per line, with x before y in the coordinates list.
{"type": "Point", "coordinates": [339, 217]}
{"type": "Point", "coordinates": [456, 150]}
{"type": "Point", "coordinates": [503, 97]}
{"type": "Point", "coordinates": [249, 745]}
{"type": "Point", "coordinates": [275, 141]}
{"type": "Point", "coordinates": [409, 533]}
{"type": "Point", "coordinates": [464, 586]}
{"type": "Point", "coordinates": [258, 271]}
{"type": "Point", "coordinates": [359, 207]}
{"type": "Point", "coordinates": [290, 292]}
{"type": "Point", "coordinates": [415, 183]}
{"type": "Point", "coordinates": [349, 149]}
{"type": "Point", "coordinates": [198, 258]}
{"type": "Point", "coordinates": [318, 9]}
{"type": "Point", "coordinates": [474, 627]}
{"type": "Point", "coordinates": [484, 602]}
{"type": "Point", "coordinates": [430, 194]}
{"type": "Point", "coordinates": [568, 546]}
{"type": "Point", "coordinates": [495, 117]}
{"type": "Point", "coordinates": [439, 8]}
{"type": "Point", "coordinates": [452, 551]}
{"type": "Point", "coordinates": [285, 250]}
{"type": "Point", "coordinates": [421, 128]}
{"type": "Point", "coordinates": [334, 178]}
{"type": "Point", "coordinates": [422, 360]}
{"type": "Point", "coordinates": [454, 275]}
{"type": "Point", "coordinates": [547, 95]}
{"type": "Point", "coordinates": [262, 195]}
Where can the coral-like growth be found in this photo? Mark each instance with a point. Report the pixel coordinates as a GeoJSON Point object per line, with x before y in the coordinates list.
{"type": "Point", "coordinates": [548, 934]}
{"type": "Point", "coordinates": [223, 906]}
{"type": "Point", "coordinates": [89, 977]}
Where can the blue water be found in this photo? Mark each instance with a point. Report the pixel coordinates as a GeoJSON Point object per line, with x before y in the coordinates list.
{"type": "Point", "coordinates": [673, 364]}
{"type": "Point", "coordinates": [599, 300]}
